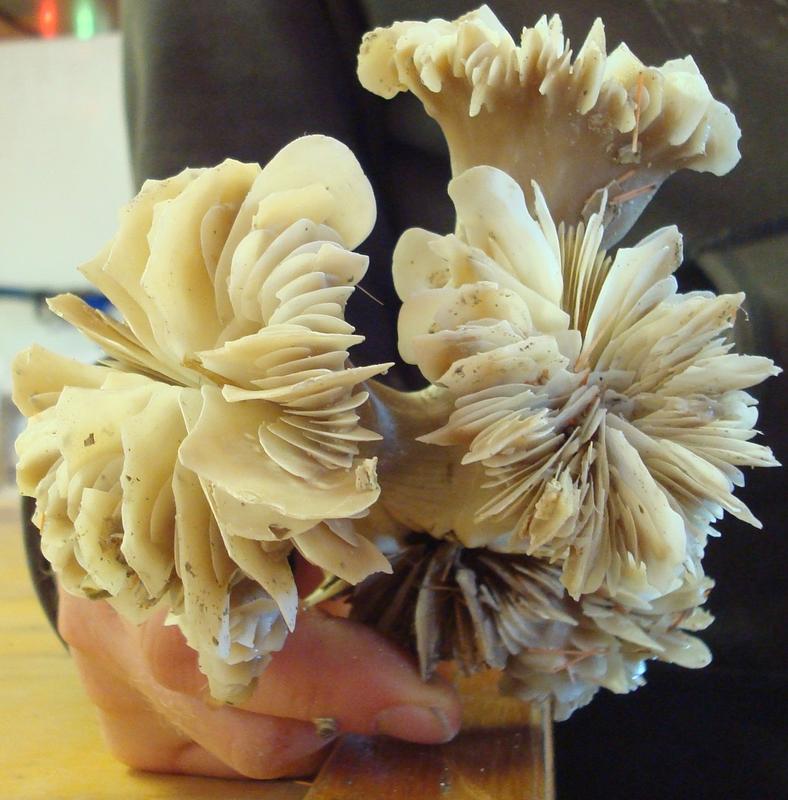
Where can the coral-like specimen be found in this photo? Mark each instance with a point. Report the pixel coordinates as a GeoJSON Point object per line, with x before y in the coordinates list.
{"type": "Point", "coordinates": [585, 426]}
{"type": "Point", "coordinates": [603, 411]}
{"type": "Point", "coordinates": [606, 646]}
{"type": "Point", "coordinates": [576, 126]}
{"type": "Point", "coordinates": [586, 423]}
{"type": "Point", "coordinates": [545, 501]}
{"type": "Point", "coordinates": [223, 431]}
{"type": "Point", "coordinates": [509, 612]}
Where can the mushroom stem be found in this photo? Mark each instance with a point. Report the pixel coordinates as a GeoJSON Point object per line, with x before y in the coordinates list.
{"type": "Point", "coordinates": [426, 488]}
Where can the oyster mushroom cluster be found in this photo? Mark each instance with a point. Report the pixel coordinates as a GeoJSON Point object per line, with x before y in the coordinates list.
{"type": "Point", "coordinates": [223, 431]}
{"type": "Point", "coordinates": [543, 504]}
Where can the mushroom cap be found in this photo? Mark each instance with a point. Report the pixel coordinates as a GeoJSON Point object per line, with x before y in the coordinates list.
{"type": "Point", "coordinates": [597, 418]}
{"type": "Point", "coordinates": [224, 430]}
{"type": "Point", "coordinates": [576, 126]}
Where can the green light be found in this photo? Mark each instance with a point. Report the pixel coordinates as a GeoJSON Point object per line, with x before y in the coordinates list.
{"type": "Point", "coordinates": [84, 19]}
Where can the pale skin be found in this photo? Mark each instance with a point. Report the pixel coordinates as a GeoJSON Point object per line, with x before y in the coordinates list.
{"type": "Point", "coordinates": [157, 715]}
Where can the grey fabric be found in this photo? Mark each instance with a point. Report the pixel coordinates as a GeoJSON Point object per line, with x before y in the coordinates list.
{"type": "Point", "coordinates": [240, 78]}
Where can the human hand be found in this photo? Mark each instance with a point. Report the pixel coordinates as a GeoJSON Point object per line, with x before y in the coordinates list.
{"type": "Point", "coordinates": [156, 713]}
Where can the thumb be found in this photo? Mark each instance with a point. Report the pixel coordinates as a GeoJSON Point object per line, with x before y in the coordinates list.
{"type": "Point", "coordinates": [329, 668]}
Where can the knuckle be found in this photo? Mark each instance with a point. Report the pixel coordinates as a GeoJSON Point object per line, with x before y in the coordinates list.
{"type": "Point", "coordinates": [132, 754]}
{"type": "Point", "coordinates": [86, 625]}
{"type": "Point", "coordinates": [169, 660]}
{"type": "Point", "coordinates": [71, 627]}
{"type": "Point", "coordinates": [144, 762]}
{"type": "Point", "coordinates": [162, 658]}
{"type": "Point", "coordinates": [152, 654]}
{"type": "Point", "coordinates": [251, 763]}
{"type": "Point", "coordinates": [260, 760]}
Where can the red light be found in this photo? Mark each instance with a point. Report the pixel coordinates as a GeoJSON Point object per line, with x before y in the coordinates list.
{"type": "Point", "coordinates": [47, 18]}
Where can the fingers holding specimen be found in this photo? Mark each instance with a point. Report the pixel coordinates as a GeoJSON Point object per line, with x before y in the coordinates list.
{"type": "Point", "coordinates": [252, 745]}
{"type": "Point", "coordinates": [128, 672]}
{"type": "Point", "coordinates": [341, 670]}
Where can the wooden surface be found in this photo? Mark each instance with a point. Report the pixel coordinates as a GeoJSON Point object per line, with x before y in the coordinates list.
{"type": "Point", "coordinates": [51, 746]}
{"type": "Point", "coordinates": [504, 752]}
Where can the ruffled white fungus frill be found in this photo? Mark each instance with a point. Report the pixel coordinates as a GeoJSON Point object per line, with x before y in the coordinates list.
{"type": "Point", "coordinates": [482, 609]}
{"type": "Point", "coordinates": [603, 644]}
{"type": "Point", "coordinates": [546, 501]}
{"type": "Point", "coordinates": [593, 416]}
{"type": "Point", "coordinates": [575, 126]}
{"type": "Point", "coordinates": [223, 431]}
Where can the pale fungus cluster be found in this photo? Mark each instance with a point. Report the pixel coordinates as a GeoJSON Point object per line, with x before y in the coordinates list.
{"type": "Point", "coordinates": [543, 504]}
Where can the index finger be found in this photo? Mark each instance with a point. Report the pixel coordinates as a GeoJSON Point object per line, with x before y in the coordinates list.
{"type": "Point", "coordinates": [331, 669]}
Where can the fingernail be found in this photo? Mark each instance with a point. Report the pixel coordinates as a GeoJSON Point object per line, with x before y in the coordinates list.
{"type": "Point", "coordinates": [326, 727]}
{"type": "Point", "coordinates": [415, 724]}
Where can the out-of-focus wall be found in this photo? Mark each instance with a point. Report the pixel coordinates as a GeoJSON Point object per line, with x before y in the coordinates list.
{"type": "Point", "coordinates": [64, 174]}
{"type": "Point", "coordinates": [64, 168]}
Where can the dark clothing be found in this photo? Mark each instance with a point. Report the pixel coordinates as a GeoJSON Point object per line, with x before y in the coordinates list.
{"type": "Point", "coordinates": [208, 80]}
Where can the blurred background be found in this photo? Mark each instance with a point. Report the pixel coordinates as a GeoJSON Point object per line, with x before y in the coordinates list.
{"type": "Point", "coordinates": [64, 170]}
{"type": "Point", "coordinates": [209, 79]}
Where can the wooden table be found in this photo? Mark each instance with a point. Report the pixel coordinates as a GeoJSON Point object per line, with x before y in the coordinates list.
{"type": "Point", "coordinates": [50, 745]}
